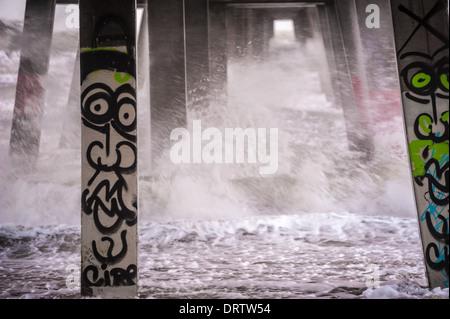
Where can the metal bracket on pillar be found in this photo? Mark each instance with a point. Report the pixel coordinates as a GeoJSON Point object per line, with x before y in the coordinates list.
{"type": "Point", "coordinates": [109, 148]}
{"type": "Point", "coordinates": [30, 92]}
{"type": "Point", "coordinates": [422, 47]}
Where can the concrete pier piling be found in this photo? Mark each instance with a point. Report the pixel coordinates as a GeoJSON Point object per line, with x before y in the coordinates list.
{"type": "Point", "coordinates": [422, 48]}
{"type": "Point", "coordinates": [109, 148]}
{"type": "Point", "coordinates": [167, 71]}
{"type": "Point", "coordinates": [30, 91]}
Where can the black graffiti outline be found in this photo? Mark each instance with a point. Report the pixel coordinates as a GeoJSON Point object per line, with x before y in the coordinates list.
{"type": "Point", "coordinates": [431, 136]}
{"type": "Point", "coordinates": [99, 166]}
{"type": "Point", "coordinates": [110, 258]}
{"type": "Point", "coordinates": [444, 236]}
{"type": "Point", "coordinates": [121, 277]}
{"type": "Point", "coordinates": [103, 110]}
{"type": "Point", "coordinates": [440, 237]}
{"type": "Point", "coordinates": [438, 68]}
{"type": "Point", "coordinates": [433, 183]}
{"type": "Point", "coordinates": [443, 264]}
{"type": "Point", "coordinates": [92, 121]}
{"type": "Point", "coordinates": [92, 203]}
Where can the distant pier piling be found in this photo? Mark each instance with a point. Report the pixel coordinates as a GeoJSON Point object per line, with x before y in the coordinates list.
{"type": "Point", "coordinates": [422, 47]}
{"type": "Point", "coordinates": [109, 148]}
{"type": "Point", "coordinates": [168, 91]}
{"type": "Point", "coordinates": [30, 91]}
{"type": "Point", "coordinates": [348, 78]}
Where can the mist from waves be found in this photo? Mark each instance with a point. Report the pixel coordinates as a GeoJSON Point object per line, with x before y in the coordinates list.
{"type": "Point", "coordinates": [317, 172]}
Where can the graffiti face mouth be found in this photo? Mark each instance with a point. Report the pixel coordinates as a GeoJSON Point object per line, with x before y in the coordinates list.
{"type": "Point", "coordinates": [123, 160]}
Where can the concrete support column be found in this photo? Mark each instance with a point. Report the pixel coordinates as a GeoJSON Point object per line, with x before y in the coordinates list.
{"type": "Point", "coordinates": [422, 48]}
{"type": "Point", "coordinates": [378, 59]}
{"type": "Point", "coordinates": [218, 54]}
{"type": "Point", "coordinates": [268, 30]}
{"type": "Point", "coordinates": [197, 55]}
{"type": "Point", "coordinates": [70, 136]}
{"type": "Point", "coordinates": [109, 148]}
{"type": "Point", "coordinates": [30, 92]}
{"type": "Point", "coordinates": [343, 81]}
{"type": "Point", "coordinates": [315, 32]}
{"type": "Point", "coordinates": [257, 40]}
{"type": "Point", "coordinates": [303, 25]}
{"type": "Point", "coordinates": [324, 24]}
{"type": "Point", "coordinates": [240, 31]}
{"type": "Point", "coordinates": [168, 94]}
{"type": "Point", "coordinates": [347, 17]}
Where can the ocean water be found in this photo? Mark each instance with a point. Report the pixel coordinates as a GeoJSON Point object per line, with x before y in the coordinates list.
{"type": "Point", "coordinates": [328, 224]}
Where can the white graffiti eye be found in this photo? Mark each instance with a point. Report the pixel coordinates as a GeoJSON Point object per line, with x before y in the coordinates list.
{"type": "Point", "coordinates": [99, 107]}
{"type": "Point", "coordinates": [126, 111]}
{"type": "Point", "coordinates": [127, 115]}
{"type": "Point", "coordinates": [97, 104]}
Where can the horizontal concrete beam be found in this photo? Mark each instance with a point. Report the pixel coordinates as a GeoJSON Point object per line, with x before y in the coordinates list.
{"type": "Point", "coordinates": [273, 3]}
{"type": "Point", "coordinates": [253, 2]}
{"type": "Point", "coordinates": [76, 1]}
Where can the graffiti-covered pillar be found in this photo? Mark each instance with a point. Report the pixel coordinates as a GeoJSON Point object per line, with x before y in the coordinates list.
{"type": "Point", "coordinates": [30, 91]}
{"type": "Point", "coordinates": [421, 40]}
{"type": "Point", "coordinates": [109, 148]}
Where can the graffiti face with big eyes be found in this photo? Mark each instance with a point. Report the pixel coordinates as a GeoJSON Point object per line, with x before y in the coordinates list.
{"type": "Point", "coordinates": [426, 80]}
{"type": "Point", "coordinates": [426, 83]}
{"type": "Point", "coordinates": [112, 113]}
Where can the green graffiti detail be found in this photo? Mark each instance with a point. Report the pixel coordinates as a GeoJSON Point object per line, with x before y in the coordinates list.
{"type": "Point", "coordinates": [122, 79]}
{"type": "Point", "coordinates": [439, 151]}
{"type": "Point", "coordinates": [415, 149]}
{"type": "Point", "coordinates": [420, 80]}
{"type": "Point", "coordinates": [444, 80]}
{"type": "Point", "coordinates": [445, 116]}
{"type": "Point", "coordinates": [424, 123]}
